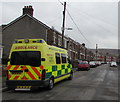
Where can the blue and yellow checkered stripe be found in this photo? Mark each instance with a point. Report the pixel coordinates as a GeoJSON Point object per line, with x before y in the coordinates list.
{"type": "Point", "coordinates": [58, 70]}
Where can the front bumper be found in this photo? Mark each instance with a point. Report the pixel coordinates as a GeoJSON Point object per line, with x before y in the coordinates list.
{"type": "Point", "coordinates": [92, 66]}
{"type": "Point", "coordinates": [83, 67]}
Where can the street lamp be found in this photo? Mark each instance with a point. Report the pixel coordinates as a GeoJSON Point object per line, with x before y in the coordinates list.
{"type": "Point", "coordinates": [69, 28]}
{"type": "Point", "coordinates": [96, 51]}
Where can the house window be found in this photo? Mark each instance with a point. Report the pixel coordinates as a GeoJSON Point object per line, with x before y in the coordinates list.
{"type": "Point", "coordinates": [65, 43]}
{"type": "Point", "coordinates": [59, 40]}
{"type": "Point", "coordinates": [54, 37]}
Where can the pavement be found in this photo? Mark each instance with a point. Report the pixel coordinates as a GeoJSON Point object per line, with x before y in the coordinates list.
{"type": "Point", "coordinates": [2, 78]}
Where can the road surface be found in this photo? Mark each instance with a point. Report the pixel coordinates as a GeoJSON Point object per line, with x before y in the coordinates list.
{"type": "Point", "coordinates": [99, 83]}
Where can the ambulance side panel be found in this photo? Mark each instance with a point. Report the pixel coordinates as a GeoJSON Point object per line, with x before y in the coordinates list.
{"type": "Point", "coordinates": [58, 70]}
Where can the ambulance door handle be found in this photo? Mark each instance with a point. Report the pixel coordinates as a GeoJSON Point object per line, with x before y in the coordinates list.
{"type": "Point", "coordinates": [26, 70]}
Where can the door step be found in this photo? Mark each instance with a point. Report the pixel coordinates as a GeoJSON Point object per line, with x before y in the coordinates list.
{"type": "Point", "coordinates": [23, 88]}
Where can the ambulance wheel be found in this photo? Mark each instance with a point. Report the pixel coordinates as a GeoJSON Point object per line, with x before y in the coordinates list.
{"type": "Point", "coordinates": [71, 76]}
{"type": "Point", "coordinates": [51, 84]}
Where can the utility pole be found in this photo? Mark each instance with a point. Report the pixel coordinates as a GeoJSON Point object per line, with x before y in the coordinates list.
{"type": "Point", "coordinates": [63, 26]}
{"type": "Point", "coordinates": [96, 51]}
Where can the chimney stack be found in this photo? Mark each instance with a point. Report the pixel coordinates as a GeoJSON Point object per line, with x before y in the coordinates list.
{"type": "Point", "coordinates": [83, 44]}
{"type": "Point", "coordinates": [28, 10]}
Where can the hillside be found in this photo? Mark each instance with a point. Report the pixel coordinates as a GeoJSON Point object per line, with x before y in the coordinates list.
{"type": "Point", "coordinates": [112, 52]}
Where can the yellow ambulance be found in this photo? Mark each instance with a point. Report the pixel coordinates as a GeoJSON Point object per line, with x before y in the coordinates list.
{"type": "Point", "coordinates": [33, 63]}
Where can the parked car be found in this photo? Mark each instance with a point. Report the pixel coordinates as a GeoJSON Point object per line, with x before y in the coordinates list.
{"type": "Point", "coordinates": [113, 64]}
{"type": "Point", "coordinates": [102, 62]}
{"type": "Point", "coordinates": [98, 63]}
{"type": "Point", "coordinates": [92, 64]}
{"type": "Point", "coordinates": [83, 65]}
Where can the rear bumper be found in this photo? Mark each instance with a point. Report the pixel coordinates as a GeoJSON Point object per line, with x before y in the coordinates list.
{"type": "Point", "coordinates": [36, 83]}
{"type": "Point", "coordinates": [113, 66]}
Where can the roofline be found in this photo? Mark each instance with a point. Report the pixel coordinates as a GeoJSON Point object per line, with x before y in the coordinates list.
{"type": "Point", "coordinates": [17, 19]}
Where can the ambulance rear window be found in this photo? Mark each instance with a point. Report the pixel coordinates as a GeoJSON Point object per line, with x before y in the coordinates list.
{"type": "Point", "coordinates": [32, 58]}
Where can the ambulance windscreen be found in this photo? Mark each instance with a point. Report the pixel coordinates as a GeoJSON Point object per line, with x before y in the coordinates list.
{"type": "Point", "coordinates": [32, 58]}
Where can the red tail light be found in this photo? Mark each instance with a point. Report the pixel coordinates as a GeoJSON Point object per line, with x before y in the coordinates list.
{"type": "Point", "coordinates": [43, 74]}
{"type": "Point", "coordinates": [41, 67]}
{"type": "Point", "coordinates": [7, 75]}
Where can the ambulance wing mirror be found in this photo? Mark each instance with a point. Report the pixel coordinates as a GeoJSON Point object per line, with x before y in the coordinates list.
{"type": "Point", "coordinates": [69, 61]}
{"type": "Point", "coordinates": [42, 59]}
{"type": "Point", "coordinates": [7, 59]}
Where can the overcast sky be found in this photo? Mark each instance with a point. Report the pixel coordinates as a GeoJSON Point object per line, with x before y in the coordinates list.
{"type": "Point", "coordinates": [93, 22]}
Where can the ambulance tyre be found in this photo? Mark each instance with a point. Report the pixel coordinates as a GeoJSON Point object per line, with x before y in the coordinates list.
{"type": "Point", "coordinates": [51, 84]}
{"type": "Point", "coordinates": [71, 76]}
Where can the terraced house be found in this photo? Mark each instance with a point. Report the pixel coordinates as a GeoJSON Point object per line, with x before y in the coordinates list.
{"type": "Point", "coordinates": [26, 26]}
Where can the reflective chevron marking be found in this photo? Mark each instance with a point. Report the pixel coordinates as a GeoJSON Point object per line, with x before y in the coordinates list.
{"type": "Point", "coordinates": [36, 71]}
{"type": "Point", "coordinates": [32, 74]}
{"type": "Point", "coordinates": [8, 67]}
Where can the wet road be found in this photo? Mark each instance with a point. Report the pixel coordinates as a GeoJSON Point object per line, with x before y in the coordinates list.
{"type": "Point", "coordinates": [99, 83]}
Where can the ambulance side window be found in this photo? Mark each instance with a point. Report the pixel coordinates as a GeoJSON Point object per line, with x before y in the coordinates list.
{"type": "Point", "coordinates": [57, 55]}
{"type": "Point", "coordinates": [64, 60]}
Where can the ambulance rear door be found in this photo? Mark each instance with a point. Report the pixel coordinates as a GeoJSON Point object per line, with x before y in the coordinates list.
{"type": "Point", "coordinates": [25, 65]}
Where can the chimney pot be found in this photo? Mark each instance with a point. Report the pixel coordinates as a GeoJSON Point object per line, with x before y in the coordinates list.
{"type": "Point", "coordinates": [83, 44]}
{"type": "Point", "coordinates": [28, 10]}
{"type": "Point", "coordinates": [30, 6]}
